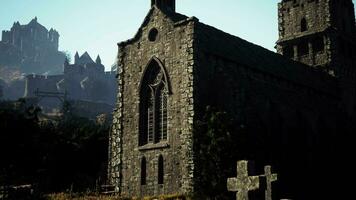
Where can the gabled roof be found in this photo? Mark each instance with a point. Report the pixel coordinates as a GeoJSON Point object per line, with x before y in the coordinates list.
{"type": "Point", "coordinates": [256, 57]}
{"type": "Point", "coordinates": [174, 16]}
{"type": "Point", "coordinates": [34, 23]}
{"type": "Point", "coordinates": [248, 54]}
{"type": "Point", "coordinates": [85, 59]}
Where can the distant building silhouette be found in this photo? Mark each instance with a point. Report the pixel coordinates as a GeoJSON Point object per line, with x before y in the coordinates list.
{"type": "Point", "coordinates": [31, 47]}
{"type": "Point", "coordinates": [83, 80]}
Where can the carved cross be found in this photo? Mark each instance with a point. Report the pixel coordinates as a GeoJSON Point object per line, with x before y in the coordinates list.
{"type": "Point", "coordinates": [243, 183]}
{"type": "Point", "coordinates": [269, 179]}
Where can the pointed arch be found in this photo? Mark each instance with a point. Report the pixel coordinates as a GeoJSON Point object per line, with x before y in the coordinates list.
{"type": "Point", "coordinates": [154, 91]}
{"type": "Point", "coordinates": [155, 61]}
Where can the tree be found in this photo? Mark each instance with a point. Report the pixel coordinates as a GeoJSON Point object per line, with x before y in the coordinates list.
{"type": "Point", "coordinates": [52, 156]}
{"type": "Point", "coordinates": [215, 147]}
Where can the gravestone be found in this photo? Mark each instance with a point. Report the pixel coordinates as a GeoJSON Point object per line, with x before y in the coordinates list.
{"type": "Point", "coordinates": [243, 183]}
{"type": "Point", "coordinates": [269, 179]}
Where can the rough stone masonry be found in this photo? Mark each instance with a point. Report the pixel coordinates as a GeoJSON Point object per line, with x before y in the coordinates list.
{"type": "Point", "coordinates": [292, 113]}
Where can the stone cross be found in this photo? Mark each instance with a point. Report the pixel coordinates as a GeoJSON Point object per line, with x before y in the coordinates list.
{"type": "Point", "coordinates": [269, 179]}
{"type": "Point", "coordinates": [243, 183]}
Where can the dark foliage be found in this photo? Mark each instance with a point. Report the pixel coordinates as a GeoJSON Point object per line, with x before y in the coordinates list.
{"type": "Point", "coordinates": [52, 156]}
{"type": "Point", "coordinates": [215, 149]}
{"type": "Point", "coordinates": [220, 141]}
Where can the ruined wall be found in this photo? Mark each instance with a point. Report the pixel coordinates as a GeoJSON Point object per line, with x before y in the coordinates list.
{"type": "Point", "coordinates": [173, 47]}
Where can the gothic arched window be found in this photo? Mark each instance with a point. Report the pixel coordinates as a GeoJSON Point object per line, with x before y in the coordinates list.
{"type": "Point", "coordinates": [303, 25]}
{"type": "Point", "coordinates": [153, 104]}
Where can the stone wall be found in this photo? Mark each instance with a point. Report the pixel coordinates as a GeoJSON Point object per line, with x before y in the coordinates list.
{"type": "Point", "coordinates": [41, 82]}
{"type": "Point", "coordinates": [88, 82]}
{"type": "Point", "coordinates": [286, 110]}
{"type": "Point", "coordinates": [291, 13]}
{"type": "Point", "coordinates": [173, 47]}
{"type": "Point", "coordinates": [327, 42]}
{"type": "Point", "coordinates": [301, 31]}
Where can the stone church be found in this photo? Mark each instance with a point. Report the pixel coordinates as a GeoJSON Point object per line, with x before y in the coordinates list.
{"type": "Point", "coordinates": [293, 109]}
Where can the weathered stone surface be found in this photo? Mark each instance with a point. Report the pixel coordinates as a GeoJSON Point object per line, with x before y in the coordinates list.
{"type": "Point", "coordinates": [170, 48]}
{"type": "Point", "coordinates": [285, 112]}
{"type": "Point", "coordinates": [243, 183]}
{"type": "Point", "coordinates": [270, 178]}
{"type": "Point", "coordinates": [321, 34]}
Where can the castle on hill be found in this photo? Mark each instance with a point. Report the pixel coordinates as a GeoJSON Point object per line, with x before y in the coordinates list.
{"type": "Point", "coordinates": [32, 48]}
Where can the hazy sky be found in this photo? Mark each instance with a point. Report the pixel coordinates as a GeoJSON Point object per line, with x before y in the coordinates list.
{"type": "Point", "coordinates": [97, 26]}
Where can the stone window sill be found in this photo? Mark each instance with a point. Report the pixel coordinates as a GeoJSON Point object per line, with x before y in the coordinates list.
{"type": "Point", "coordinates": [161, 145]}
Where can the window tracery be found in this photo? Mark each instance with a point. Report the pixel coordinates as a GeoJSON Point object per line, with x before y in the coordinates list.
{"type": "Point", "coordinates": [154, 105]}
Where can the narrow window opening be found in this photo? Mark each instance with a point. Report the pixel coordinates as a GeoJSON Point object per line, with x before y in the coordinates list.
{"type": "Point", "coordinates": [152, 35]}
{"type": "Point", "coordinates": [303, 49]}
{"type": "Point", "coordinates": [162, 115]}
{"type": "Point", "coordinates": [143, 171]}
{"type": "Point", "coordinates": [303, 25]}
{"type": "Point", "coordinates": [160, 170]}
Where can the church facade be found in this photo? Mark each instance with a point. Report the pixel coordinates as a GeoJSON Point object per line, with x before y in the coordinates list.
{"type": "Point", "coordinates": [289, 107]}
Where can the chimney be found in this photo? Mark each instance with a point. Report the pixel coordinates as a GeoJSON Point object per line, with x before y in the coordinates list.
{"type": "Point", "coordinates": [169, 5]}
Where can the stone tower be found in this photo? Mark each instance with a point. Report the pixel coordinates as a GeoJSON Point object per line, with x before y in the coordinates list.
{"type": "Point", "coordinates": [321, 34]}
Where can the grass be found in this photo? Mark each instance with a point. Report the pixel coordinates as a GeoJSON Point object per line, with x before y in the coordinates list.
{"type": "Point", "coordinates": [65, 196]}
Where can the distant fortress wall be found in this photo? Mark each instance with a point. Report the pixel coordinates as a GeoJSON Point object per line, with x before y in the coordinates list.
{"type": "Point", "coordinates": [84, 80]}
{"type": "Point", "coordinates": [42, 83]}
